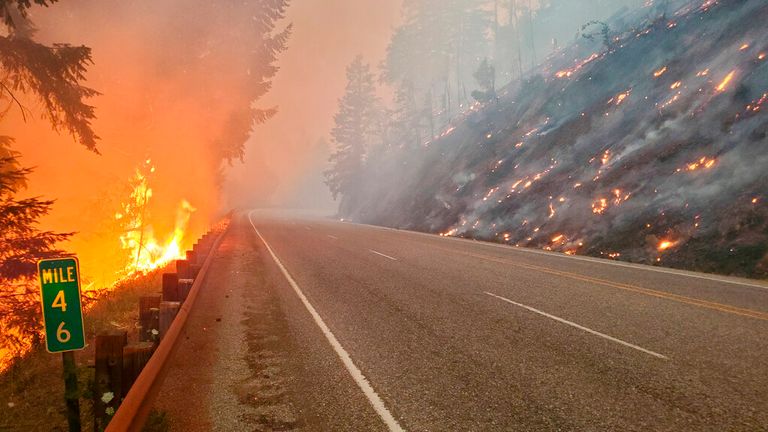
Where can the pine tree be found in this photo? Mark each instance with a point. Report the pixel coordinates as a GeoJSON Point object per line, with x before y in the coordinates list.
{"type": "Point", "coordinates": [354, 132]}
{"type": "Point", "coordinates": [435, 52]}
{"type": "Point", "coordinates": [268, 44]}
{"type": "Point", "coordinates": [486, 79]}
{"type": "Point", "coordinates": [52, 75]}
{"type": "Point", "coordinates": [22, 244]}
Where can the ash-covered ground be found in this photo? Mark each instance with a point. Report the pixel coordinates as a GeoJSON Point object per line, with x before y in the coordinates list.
{"type": "Point", "coordinates": [648, 145]}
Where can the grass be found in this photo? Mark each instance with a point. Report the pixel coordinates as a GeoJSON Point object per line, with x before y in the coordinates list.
{"type": "Point", "coordinates": [32, 390]}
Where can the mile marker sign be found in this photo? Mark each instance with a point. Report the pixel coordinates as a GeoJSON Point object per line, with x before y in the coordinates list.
{"type": "Point", "coordinates": [62, 309]}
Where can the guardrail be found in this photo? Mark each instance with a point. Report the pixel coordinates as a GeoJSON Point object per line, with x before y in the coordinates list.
{"type": "Point", "coordinates": [128, 377]}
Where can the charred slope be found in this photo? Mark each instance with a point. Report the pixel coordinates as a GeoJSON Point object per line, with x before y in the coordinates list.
{"type": "Point", "coordinates": [649, 147]}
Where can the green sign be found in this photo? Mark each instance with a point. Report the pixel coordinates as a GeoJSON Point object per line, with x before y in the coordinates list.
{"type": "Point", "coordinates": [62, 311]}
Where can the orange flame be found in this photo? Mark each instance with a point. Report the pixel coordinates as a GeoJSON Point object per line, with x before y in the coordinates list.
{"type": "Point", "coordinates": [146, 252]}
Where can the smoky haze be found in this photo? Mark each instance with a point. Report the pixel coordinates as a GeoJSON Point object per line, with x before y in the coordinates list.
{"type": "Point", "coordinates": [174, 78]}
{"type": "Point", "coordinates": [286, 157]}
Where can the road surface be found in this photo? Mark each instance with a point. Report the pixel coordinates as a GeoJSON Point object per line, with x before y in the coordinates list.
{"type": "Point", "coordinates": [313, 324]}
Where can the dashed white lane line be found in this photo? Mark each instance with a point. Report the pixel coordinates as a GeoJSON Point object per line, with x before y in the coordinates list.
{"type": "Point", "coordinates": [357, 375]}
{"type": "Point", "coordinates": [602, 261]}
{"type": "Point", "coordinates": [308, 228]}
{"type": "Point", "coordinates": [332, 237]}
{"type": "Point", "coordinates": [381, 254]}
{"type": "Point", "coordinates": [580, 327]}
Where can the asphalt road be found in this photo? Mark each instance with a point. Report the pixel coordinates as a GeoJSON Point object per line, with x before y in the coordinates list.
{"type": "Point", "coordinates": [377, 329]}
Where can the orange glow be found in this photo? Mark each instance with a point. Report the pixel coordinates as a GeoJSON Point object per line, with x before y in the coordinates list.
{"type": "Point", "coordinates": [724, 83]}
{"type": "Point", "coordinates": [567, 73]}
{"type": "Point", "coordinates": [145, 251]}
{"type": "Point", "coordinates": [703, 163]}
{"type": "Point", "coordinates": [619, 98]}
{"type": "Point", "coordinates": [606, 157]}
{"type": "Point", "coordinates": [660, 72]}
{"type": "Point", "coordinates": [665, 245]}
{"type": "Point", "coordinates": [744, 47]}
{"type": "Point", "coordinates": [676, 85]}
{"type": "Point", "coordinates": [450, 233]}
{"type": "Point", "coordinates": [600, 206]}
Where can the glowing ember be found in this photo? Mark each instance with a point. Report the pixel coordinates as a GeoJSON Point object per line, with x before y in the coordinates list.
{"type": "Point", "coordinates": [703, 163]}
{"type": "Point", "coordinates": [665, 244]}
{"type": "Point", "coordinates": [761, 56]}
{"type": "Point", "coordinates": [619, 98]}
{"type": "Point", "coordinates": [744, 47]}
{"type": "Point", "coordinates": [600, 206]}
{"type": "Point", "coordinates": [660, 72]}
{"type": "Point", "coordinates": [567, 73]}
{"type": "Point", "coordinates": [758, 104]}
{"type": "Point", "coordinates": [450, 233]}
{"type": "Point", "coordinates": [606, 157]}
{"type": "Point", "coordinates": [724, 83]}
{"type": "Point", "coordinates": [676, 85]}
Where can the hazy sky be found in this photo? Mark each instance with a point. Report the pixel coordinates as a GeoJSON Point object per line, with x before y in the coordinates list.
{"type": "Point", "coordinates": [282, 158]}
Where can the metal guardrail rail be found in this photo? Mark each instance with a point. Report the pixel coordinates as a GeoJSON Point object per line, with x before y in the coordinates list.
{"type": "Point", "coordinates": [137, 405]}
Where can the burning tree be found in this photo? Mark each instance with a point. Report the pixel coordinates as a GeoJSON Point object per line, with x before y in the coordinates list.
{"type": "Point", "coordinates": [52, 75]}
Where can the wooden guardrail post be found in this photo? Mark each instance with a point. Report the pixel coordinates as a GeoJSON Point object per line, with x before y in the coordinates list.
{"type": "Point", "coordinates": [192, 258]}
{"type": "Point", "coordinates": [185, 286]}
{"type": "Point", "coordinates": [168, 311]}
{"type": "Point", "coordinates": [108, 375]}
{"type": "Point", "coordinates": [149, 313]}
{"type": "Point", "coordinates": [135, 356]}
{"type": "Point", "coordinates": [171, 287]}
{"type": "Point", "coordinates": [182, 269]}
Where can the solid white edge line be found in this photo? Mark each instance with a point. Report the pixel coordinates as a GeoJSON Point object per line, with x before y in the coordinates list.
{"type": "Point", "coordinates": [385, 256]}
{"type": "Point", "coordinates": [641, 267]}
{"type": "Point", "coordinates": [357, 375]}
{"type": "Point", "coordinates": [580, 327]}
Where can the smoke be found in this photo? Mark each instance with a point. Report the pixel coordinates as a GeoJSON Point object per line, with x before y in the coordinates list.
{"type": "Point", "coordinates": [646, 146]}
{"type": "Point", "coordinates": [176, 80]}
{"type": "Point", "coordinates": [285, 158]}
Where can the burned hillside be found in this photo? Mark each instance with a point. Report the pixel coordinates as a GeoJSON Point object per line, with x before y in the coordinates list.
{"type": "Point", "coordinates": [645, 140]}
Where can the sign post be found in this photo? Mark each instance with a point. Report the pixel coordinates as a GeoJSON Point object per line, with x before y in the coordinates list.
{"type": "Point", "coordinates": [63, 322]}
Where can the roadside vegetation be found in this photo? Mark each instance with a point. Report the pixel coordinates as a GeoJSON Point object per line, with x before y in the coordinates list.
{"type": "Point", "coordinates": [32, 390]}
